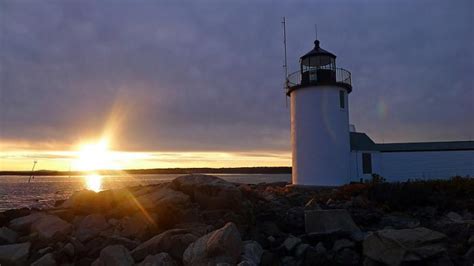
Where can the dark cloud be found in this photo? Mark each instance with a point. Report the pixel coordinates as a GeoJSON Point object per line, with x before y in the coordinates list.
{"type": "Point", "coordinates": [206, 75]}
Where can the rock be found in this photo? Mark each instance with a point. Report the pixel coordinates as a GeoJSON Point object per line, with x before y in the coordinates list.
{"type": "Point", "coordinates": [341, 244]}
{"type": "Point", "coordinates": [347, 256]}
{"type": "Point", "coordinates": [268, 258]}
{"type": "Point", "coordinates": [173, 241]}
{"type": "Point", "coordinates": [7, 236]}
{"type": "Point", "coordinates": [209, 192]}
{"type": "Point", "coordinates": [115, 255]}
{"type": "Point", "coordinates": [294, 218]}
{"type": "Point", "coordinates": [291, 242]}
{"type": "Point", "coordinates": [90, 227]}
{"type": "Point", "coordinates": [82, 201]}
{"type": "Point", "coordinates": [46, 260]}
{"type": "Point", "coordinates": [135, 226]}
{"type": "Point", "coordinates": [399, 221]}
{"type": "Point", "coordinates": [320, 248]}
{"type": "Point", "coordinates": [14, 254]}
{"type": "Point", "coordinates": [313, 256]}
{"type": "Point", "coordinates": [118, 240]}
{"type": "Point", "coordinates": [220, 246]}
{"type": "Point", "coordinates": [68, 249]}
{"type": "Point", "coordinates": [51, 227]}
{"type": "Point", "coordinates": [328, 221]}
{"type": "Point", "coordinates": [394, 247]}
{"type": "Point", "coordinates": [24, 223]}
{"type": "Point", "coordinates": [163, 196]}
{"type": "Point", "coordinates": [454, 217]}
{"type": "Point", "coordinates": [252, 252]}
{"type": "Point", "coordinates": [470, 241]}
{"type": "Point", "coordinates": [469, 256]}
{"type": "Point", "coordinates": [160, 259]}
{"type": "Point", "coordinates": [288, 261]}
{"type": "Point", "coordinates": [301, 249]}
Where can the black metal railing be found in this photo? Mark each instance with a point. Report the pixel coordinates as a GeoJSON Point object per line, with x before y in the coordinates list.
{"type": "Point", "coordinates": [320, 76]}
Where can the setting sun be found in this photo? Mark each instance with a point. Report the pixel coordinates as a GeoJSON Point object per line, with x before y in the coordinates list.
{"type": "Point", "coordinates": [95, 156]}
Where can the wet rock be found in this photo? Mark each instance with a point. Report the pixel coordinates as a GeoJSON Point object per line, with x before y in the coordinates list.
{"type": "Point", "coordinates": [46, 260]}
{"type": "Point", "coordinates": [291, 242]}
{"type": "Point", "coordinates": [173, 241]}
{"type": "Point", "coordinates": [328, 221]}
{"type": "Point", "coordinates": [220, 246]}
{"type": "Point", "coordinates": [394, 247]}
{"type": "Point", "coordinates": [341, 244]}
{"type": "Point", "coordinates": [209, 192]}
{"type": "Point", "coordinates": [160, 259]}
{"type": "Point", "coordinates": [115, 255]}
{"type": "Point", "coordinates": [90, 227]}
{"type": "Point", "coordinates": [347, 256]}
{"type": "Point", "coordinates": [14, 254]}
{"type": "Point", "coordinates": [7, 236]}
{"type": "Point", "coordinates": [51, 227]}
{"type": "Point", "coordinates": [252, 252]}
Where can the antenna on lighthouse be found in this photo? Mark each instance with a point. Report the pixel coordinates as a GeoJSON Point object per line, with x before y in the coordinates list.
{"type": "Point", "coordinates": [285, 65]}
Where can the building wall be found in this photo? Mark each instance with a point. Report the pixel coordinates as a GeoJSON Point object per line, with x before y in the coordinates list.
{"type": "Point", "coordinates": [319, 136]}
{"type": "Point", "coordinates": [400, 166]}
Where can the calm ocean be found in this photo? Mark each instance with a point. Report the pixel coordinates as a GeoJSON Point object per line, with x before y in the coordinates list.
{"type": "Point", "coordinates": [43, 191]}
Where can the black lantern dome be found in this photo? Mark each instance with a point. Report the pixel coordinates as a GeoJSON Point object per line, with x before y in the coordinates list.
{"type": "Point", "coordinates": [318, 67]}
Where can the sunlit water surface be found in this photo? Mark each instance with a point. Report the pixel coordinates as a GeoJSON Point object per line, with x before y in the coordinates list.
{"type": "Point", "coordinates": [43, 191]}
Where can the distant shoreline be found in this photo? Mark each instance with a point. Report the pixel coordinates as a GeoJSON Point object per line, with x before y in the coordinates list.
{"type": "Point", "coordinates": [225, 170]}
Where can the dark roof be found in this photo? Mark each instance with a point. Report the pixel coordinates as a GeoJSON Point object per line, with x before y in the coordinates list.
{"type": "Point", "coordinates": [362, 142]}
{"type": "Point", "coordinates": [317, 51]}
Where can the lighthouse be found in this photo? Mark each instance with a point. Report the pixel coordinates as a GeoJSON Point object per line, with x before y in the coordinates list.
{"type": "Point", "coordinates": [320, 137]}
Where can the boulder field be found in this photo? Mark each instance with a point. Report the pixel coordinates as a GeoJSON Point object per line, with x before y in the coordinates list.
{"type": "Point", "coordinates": [205, 220]}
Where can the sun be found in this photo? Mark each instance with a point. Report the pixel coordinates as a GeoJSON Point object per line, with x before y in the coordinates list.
{"type": "Point", "coordinates": [95, 156]}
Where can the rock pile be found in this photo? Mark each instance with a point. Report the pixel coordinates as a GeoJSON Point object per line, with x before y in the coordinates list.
{"type": "Point", "coordinates": [204, 220]}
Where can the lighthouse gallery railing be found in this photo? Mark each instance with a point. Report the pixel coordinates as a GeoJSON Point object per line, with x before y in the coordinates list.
{"type": "Point", "coordinates": [342, 77]}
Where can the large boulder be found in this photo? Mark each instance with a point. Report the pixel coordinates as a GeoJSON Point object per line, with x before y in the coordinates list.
{"type": "Point", "coordinates": [209, 192]}
{"type": "Point", "coordinates": [90, 227]}
{"type": "Point", "coordinates": [24, 223]}
{"type": "Point", "coordinates": [329, 221]}
{"type": "Point", "coordinates": [115, 255]}
{"type": "Point", "coordinates": [51, 227]}
{"type": "Point", "coordinates": [173, 241]}
{"type": "Point", "coordinates": [394, 247]}
{"type": "Point", "coordinates": [7, 236]}
{"type": "Point", "coordinates": [46, 260]}
{"type": "Point", "coordinates": [252, 252]}
{"type": "Point", "coordinates": [220, 246]}
{"type": "Point", "coordinates": [162, 196]}
{"type": "Point", "coordinates": [161, 259]}
{"type": "Point", "coordinates": [15, 254]}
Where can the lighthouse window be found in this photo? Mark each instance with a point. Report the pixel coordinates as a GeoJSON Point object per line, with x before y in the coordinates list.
{"type": "Point", "coordinates": [366, 163]}
{"type": "Point", "coordinates": [342, 102]}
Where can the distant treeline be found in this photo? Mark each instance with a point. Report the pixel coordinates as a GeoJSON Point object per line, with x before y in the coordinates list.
{"type": "Point", "coordinates": [234, 170]}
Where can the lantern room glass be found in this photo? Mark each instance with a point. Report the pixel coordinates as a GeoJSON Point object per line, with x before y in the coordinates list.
{"type": "Point", "coordinates": [318, 62]}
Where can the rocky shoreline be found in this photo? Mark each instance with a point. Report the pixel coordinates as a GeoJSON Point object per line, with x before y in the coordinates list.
{"type": "Point", "coordinates": [204, 220]}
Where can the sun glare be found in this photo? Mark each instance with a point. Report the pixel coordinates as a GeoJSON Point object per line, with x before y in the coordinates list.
{"type": "Point", "coordinates": [95, 156]}
{"type": "Point", "coordinates": [94, 182]}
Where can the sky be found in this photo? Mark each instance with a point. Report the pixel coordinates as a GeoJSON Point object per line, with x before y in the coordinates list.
{"type": "Point", "coordinates": [200, 83]}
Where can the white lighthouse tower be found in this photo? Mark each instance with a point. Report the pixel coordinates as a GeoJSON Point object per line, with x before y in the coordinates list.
{"type": "Point", "coordinates": [320, 120]}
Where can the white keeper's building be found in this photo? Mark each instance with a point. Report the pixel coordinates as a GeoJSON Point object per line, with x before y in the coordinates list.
{"type": "Point", "coordinates": [326, 152]}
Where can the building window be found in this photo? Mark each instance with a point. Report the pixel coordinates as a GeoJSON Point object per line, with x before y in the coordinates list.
{"type": "Point", "coordinates": [342, 100]}
{"type": "Point", "coordinates": [366, 163]}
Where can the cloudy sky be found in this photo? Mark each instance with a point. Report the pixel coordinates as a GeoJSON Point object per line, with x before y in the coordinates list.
{"type": "Point", "coordinates": [176, 80]}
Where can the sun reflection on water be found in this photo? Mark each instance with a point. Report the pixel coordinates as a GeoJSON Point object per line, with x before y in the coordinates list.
{"type": "Point", "coordinates": [93, 182]}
